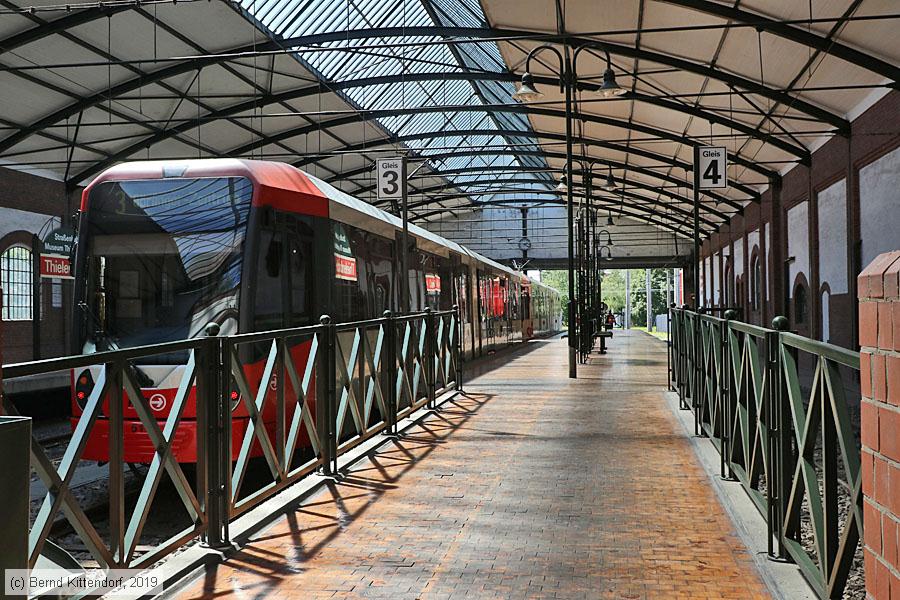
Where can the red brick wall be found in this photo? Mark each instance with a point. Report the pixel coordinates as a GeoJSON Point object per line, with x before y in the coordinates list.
{"type": "Point", "coordinates": [838, 158]}
{"type": "Point", "coordinates": [879, 337]}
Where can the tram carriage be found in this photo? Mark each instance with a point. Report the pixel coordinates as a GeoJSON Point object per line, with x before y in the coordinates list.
{"type": "Point", "coordinates": [166, 248]}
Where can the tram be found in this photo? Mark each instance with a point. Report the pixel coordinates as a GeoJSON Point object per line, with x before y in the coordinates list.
{"type": "Point", "coordinates": [166, 248]}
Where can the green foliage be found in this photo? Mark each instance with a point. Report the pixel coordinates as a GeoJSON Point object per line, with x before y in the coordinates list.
{"type": "Point", "coordinates": [613, 292]}
{"type": "Point", "coordinates": [559, 280]}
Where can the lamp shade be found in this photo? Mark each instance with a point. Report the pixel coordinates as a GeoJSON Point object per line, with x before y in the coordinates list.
{"type": "Point", "coordinates": [527, 92]}
{"type": "Point", "coordinates": [563, 184]}
{"type": "Point", "coordinates": [610, 88]}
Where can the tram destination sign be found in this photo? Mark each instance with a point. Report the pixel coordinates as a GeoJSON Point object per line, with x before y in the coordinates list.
{"type": "Point", "coordinates": [391, 176]}
{"type": "Point", "coordinates": [56, 253]}
{"type": "Point", "coordinates": [711, 163]}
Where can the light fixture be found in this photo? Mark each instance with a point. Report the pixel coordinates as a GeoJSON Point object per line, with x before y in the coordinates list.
{"type": "Point", "coordinates": [608, 253]}
{"type": "Point", "coordinates": [609, 220]}
{"type": "Point", "coordinates": [609, 241]}
{"type": "Point", "coordinates": [527, 92]}
{"type": "Point", "coordinates": [609, 89]}
{"type": "Point", "coordinates": [610, 184]}
{"type": "Point", "coordinates": [563, 184]}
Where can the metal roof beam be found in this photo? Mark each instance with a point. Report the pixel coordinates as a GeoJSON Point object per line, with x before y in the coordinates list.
{"type": "Point", "coordinates": [546, 154]}
{"type": "Point", "coordinates": [36, 34]}
{"type": "Point", "coordinates": [310, 40]}
{"type": "Point", "coordinates": [641, 216]}
{"type": "Point", "coordinates": [794, 34]}
{"type": "Point", "coordinates": [607, 197]}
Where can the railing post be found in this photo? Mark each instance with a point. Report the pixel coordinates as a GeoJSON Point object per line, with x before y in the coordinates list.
{"type": "Point", "coordinates": [729, 396]}
{"type": "Point", "coordinates": [390, 370]}
{"type": "Point", "coordinates": [780, 468]}
{"type": "Point", "coordinates": [698, 370]}
{"type": "Point", "coordinates": [326, 397]}
{"type": "Point", "coordinates": [428, 355]}
{"type": "Point", "coordinates": [456, 346]}
{"type": "Point", "coordinates": [669, 348]}
{"type": "Point", "coordinates": [15, 445]}
{"type": "Point", "coordinates": [214, 449]}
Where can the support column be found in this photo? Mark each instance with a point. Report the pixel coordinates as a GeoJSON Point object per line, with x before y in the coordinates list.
{"type": "Point", "coordinates": [626, 324]}
{"type": "Point", "coordinates": [649, 292]}
{"type": "Point", "coordinates": [879, 336]}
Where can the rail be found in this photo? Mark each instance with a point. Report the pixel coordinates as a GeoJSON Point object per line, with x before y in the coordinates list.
{"type": "Point", "coordinates": [310, 394]}
{"type": "Point", "coordinates": [779, 408]}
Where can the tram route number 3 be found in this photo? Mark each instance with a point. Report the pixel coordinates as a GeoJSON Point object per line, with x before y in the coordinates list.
{"type": "Point", "coordinates": [712, 165]}
{"type": "Point", "coordinates": [391, 173]}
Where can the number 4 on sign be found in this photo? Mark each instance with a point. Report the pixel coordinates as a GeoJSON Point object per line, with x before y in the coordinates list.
{"type": "Point", "coordinates": [711, 163]}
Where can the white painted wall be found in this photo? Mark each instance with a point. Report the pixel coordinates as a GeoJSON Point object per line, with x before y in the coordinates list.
{"type": "Point", "coordinates": [798, 243]}
{"type": "Point", "coordinates": [495, 232]}
{"type": "Point", "coordinates": [879, 206]}
{"type": "Point", "coordinates": [20, 220]}
{"type": "Point", "coordinates": [832, 214]}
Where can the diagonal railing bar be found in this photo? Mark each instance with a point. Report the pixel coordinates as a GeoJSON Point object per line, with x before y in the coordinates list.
{"type": "Point", "coordinates": [794, 439]}
{"type": "Point", "coordinates": [163, 459]}
{"type": "Point", "coordinates": [298, 389]}
{"type": "Point", "coordinates": [254, 401]}
{"type": "Point", "coordinates": [348, 401]}
{"type": "Point", "coordinates": [59, 479]}
{"type": "Point", "coordinates": [302, 411]}
{"type": "Point", "coordinates": [374, 384]}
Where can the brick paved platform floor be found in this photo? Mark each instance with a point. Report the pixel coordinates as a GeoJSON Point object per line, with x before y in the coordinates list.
{"type": "Point", "coordinates": [530, 485]}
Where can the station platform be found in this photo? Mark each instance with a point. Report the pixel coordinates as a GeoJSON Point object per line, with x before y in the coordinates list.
{"type": "Point", "coordinates": [528, 485]}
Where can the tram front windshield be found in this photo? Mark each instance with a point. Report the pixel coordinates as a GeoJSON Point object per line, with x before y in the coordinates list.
{"type": "Point", "coordinates": [162, 259]}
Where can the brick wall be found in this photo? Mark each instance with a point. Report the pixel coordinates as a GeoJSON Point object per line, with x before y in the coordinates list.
{"type": "Point", "coordinates": [27, 202]}
{"type": "Point", "coordinates": [840, 158]}
{"type": "Point", "coordinates": [879, 337]}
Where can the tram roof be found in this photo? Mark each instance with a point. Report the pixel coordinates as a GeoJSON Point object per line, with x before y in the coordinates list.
{"type": "Point", "coordinates": [329, 85]}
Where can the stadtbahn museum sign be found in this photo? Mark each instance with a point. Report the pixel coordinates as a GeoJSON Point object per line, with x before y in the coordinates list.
{"type": "Point", "coordinates": [56, 253]}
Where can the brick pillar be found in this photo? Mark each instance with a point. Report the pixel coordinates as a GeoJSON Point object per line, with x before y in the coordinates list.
{"type": "Point", "coordinates": [879, 338]}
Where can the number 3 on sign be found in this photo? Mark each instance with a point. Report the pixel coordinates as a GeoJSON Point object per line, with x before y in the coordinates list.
{"type": "Point", "coordinates": [711, 163]}
{"type": "Point", "coordinates": [391, 172]}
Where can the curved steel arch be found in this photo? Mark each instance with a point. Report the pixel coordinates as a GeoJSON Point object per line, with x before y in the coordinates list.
{"type": "Point", "coordinates": [674, 162]}
{"type": "Point", "coordinates": [525, 169]}
{"type": "Point", "coordinates": [558, 155]}
{"type": "Point", "coordinates": [605, 198]}
{"type": "Point", "coordinates": [36, 34]}
{"type": "Point", "coordinates": [794, 34]}
{"type": "Point", "coordinates": [641, 216]}
{"type": "Point", "coordinates": [636, 184]}
{"type": "Point", "coordinates": [201, 61]}
{"type": "Point", "coordinates": [231, 111]}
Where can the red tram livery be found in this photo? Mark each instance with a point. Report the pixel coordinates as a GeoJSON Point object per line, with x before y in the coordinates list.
{"type": "Point", "coordinates": [166, 248]}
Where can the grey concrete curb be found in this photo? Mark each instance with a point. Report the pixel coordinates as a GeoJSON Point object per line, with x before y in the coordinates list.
{"type": "Point", "coordinates": [784, 580]}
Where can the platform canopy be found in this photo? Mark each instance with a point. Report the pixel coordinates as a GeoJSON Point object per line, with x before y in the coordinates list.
{"type": "Point", "coordinates": [330, 85]}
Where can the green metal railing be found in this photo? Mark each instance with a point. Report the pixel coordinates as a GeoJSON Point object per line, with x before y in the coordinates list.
{"type": "Point", "coordinates": [778, 408]}
{"type": "Point", "coordinates": [333, 386]}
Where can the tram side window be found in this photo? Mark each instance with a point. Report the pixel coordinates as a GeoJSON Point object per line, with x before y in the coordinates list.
{"type": "Point", "coordinates": [268, 306]}
{"type": "Point", "coordinates": [300, 255]}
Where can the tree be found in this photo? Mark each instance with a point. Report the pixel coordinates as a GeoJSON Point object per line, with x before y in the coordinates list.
{"type": "Point", "coordinates": [559, 280]}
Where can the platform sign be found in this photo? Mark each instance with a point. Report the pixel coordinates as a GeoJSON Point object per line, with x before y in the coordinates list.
{"type": "Point", "coordinates": [711, 163]}
{"type": "Point", "coordinates": [391, 176]}
{"type": "Point", "coordinates": [57, 248]}
{"type": "Point", "coordinates": [56, 267]}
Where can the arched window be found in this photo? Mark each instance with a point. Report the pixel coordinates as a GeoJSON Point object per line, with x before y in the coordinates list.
{"type": "Point", "coordinates": [16, 279]}
{"type": "Point", "coordinates": [800, 304]}
{"type": "Point", "coordinates": [756, 282]}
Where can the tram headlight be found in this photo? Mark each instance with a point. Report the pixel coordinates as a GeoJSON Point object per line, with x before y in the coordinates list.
{"type": "Point", "coordinates": [84, 384]}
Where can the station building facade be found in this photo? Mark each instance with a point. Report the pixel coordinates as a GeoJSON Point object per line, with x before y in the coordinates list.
{"type": "Point", "coordinates": [799, 251]}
